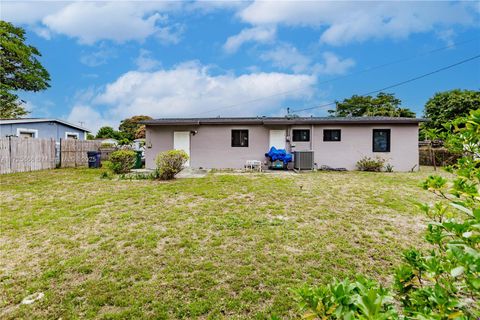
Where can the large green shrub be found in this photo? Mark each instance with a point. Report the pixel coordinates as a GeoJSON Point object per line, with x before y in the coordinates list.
{"type": "Point", "coordinates": [169, 163]}
{"type": "Point", "coordinates": [122, 160]}
{"type": "Point", "coordinates": [370, 164]}
{"type": "Point", "coordinates": [440, 283]}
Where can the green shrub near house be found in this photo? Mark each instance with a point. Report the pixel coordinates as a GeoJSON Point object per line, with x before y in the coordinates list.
{"type": "Point", "coordinates": [370, 164]}
{"type": "Point", "coordinates": [169, 163]}
{"type": "Point", "coordinates": [122, 161]}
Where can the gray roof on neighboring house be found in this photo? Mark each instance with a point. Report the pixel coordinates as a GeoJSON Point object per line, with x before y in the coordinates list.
{"type": "Point", "coordinates": [36, 120]}
{"type": "Point", "coordinates": [282, 120]}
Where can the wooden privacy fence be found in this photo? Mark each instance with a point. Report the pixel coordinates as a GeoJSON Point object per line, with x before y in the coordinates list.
{"type": "Point", "coordinates": [443, 157]}
{"type": "Point", "coordinates": [20, 155]}
{"type": "Point", "coordinates": [73, 153]}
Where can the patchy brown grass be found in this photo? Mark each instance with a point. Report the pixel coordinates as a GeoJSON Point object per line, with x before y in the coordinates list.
{"type": "Point", "coordinates": [223, 246]}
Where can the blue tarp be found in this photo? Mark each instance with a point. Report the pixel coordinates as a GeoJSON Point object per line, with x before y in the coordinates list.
{"type": "Point", "coordinates": [279, 154]}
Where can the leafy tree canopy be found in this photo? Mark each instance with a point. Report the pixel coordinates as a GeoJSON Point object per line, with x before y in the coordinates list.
{"type": "Point", "coordinates": [384, 104]}
{"type": "Point", "coordinates": [449, 105]}
{"type": "Point", "coordinates": [140, 133]}
{"type": "Point", "coordinates": [130, 126]}
{"type": "Point", "coordinates": [19, 70]}
{"type": "Point", "coordinates": [106, 132]}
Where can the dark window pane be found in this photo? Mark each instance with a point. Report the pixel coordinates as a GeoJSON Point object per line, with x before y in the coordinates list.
{"type": "Point", "coordinates": [381, 140]}
{"type": "Point", "coordinates": [332, 135]}
{"type": "Point", "coordinates": [301, 135]}
{"type": "Point", "coordinates": [239, 138]}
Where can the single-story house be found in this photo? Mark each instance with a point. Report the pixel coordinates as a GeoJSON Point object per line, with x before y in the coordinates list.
{"type": "Point", "coordinates": [42, 128]}
{"type": "Point", "coordinates": [337, 142]}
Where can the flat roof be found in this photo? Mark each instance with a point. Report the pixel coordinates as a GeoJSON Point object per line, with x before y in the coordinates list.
{"type": "Point", "coordinates": [281, 120]}
{"type": "Point", "coordinates": [37, 120]}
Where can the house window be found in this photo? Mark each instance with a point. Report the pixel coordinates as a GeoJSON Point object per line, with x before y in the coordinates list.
{"type": "Point", "coordinates": [27, 133]}
{"type": "Point", "coordinates": [332, 135]}
{"type": "Point", "coordinates": [71, 135]}
{"type": "Point", "coordinates": [302, 135]}
{"type": "Point", "coordinates": [239, 138]}
{"type": "Point", "coordinates": [381, 140]}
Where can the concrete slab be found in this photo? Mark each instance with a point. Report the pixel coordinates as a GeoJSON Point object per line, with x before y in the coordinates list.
{"type": "Point", "coordinates": [192, 173]}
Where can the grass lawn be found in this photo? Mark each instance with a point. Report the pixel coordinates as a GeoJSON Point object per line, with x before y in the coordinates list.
{"type": "Point", "coordinates": [224, 246]}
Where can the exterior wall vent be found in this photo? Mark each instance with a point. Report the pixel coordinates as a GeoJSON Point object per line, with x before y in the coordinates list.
{"type": "Point", "coordinates": [303, 160]}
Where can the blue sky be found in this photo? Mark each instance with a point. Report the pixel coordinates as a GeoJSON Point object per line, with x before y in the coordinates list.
{"type": "Point", "coordinates": [111, 60]}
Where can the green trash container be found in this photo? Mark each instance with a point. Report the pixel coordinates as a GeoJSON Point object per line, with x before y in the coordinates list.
{"type": "Point", "coordinates": [138, 160]}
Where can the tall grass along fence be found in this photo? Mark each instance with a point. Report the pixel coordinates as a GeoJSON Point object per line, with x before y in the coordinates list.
{"type": "Point", "coordinates": [21, 155]}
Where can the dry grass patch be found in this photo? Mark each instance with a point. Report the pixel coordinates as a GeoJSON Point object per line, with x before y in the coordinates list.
{"type": "Point", "coordinates": [223, 246]}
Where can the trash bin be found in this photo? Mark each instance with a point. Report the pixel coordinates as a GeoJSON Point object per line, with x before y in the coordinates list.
{"type": "Point", "coordinates": [138, 160]}
{"type": "Point", "coordinates": [93, 159]}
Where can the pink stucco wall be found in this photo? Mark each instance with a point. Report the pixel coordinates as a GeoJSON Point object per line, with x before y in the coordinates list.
{"type": "Point", "coordinates": [211, 147]}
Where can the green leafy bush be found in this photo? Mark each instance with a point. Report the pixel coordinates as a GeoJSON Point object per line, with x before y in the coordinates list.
{"type": "Point", "coordinates": [370, 164]}
{"type": "Point", "coordinates": [169, 163]}
{"type": "Point", "coordinates": [441, 283]}
{"type": "Point", "coordinates": [122, 160]}
{"type": "Point", "coordinates": [360, 299]}
{"type": "Point", "coordinates": [388, 167]}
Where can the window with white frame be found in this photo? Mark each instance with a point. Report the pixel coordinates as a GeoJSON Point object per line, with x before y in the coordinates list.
{"type": "Point", "coordinates": [27, 133]}
{"type": "Point", "coordinates": [71, 135]}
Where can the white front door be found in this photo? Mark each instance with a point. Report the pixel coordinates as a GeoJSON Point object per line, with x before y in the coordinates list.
{"type": "Point", "coordinates": [277, 139]}
{"type": "Point", "coordinates": [181, 141]}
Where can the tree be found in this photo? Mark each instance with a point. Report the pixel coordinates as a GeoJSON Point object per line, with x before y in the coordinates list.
{"type": "Point", "coordinates": [384, 104]}
{"type": "Point", "coordinates": [106, 132]}
{"type": "Point", "coordinates": [130, 126]}
{"type": "Point", "coordinates": [140, 133]}
{"type": "Point", "coordinates": [19, 70]}
{"type": "Point", "coordinates": [449, 105]}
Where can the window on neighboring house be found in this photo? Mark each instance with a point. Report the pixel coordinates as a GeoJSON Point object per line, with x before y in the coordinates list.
{"type": "Point", "coordinates": [239, 138]}
{"type": "Point", "coordinates": [332, 135]}
{"type": "Point", "coordinates": [27, 133]}
{"type": "Point", "coordinates": [381, 140]}
{"type": "Point", "coordinates": [302, 135]}
{"type": "Point", "coordinates": [71, 135]}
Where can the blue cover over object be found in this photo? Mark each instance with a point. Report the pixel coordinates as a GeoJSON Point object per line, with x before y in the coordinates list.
{"type": "Point", "coordinates": [279, 154]}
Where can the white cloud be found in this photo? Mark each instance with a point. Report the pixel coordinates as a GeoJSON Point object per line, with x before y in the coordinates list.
{"type": "Point", "coordinates": [207, 6]}
{"type": "Point", "coordinates": [447, 36]}
{"type": "Point", "coordinates": [190, 90]}
{"type": "Point", "coordinates": [345, 22]}
{"type": "Point", "coordinates": [28, 12]}
{"type": "Point", "coordinates": [286, 56]}
{"type": "Point", "coordinates": [259, 34]}
{"type": "Point", "coordinates": [90, 22]}
{"type": "Point", "coordinates": [333, 65]}
{"type": "Point", "coordinates": [99, 57]}
{"type": "Point", "coordinates": [90, 118]}
{"type": "Point", "coordinates": [145, 61]}
{"type": "Point", "coordinates": [171, 34]}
